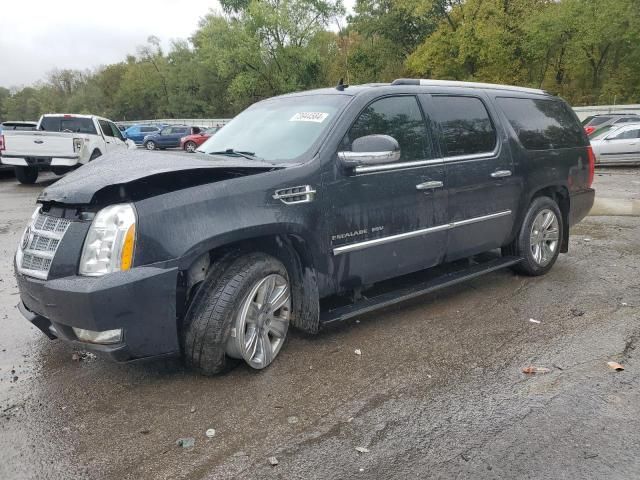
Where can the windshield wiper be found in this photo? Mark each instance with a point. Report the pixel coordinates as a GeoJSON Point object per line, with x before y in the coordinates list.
{"type": "Point", "coordinates": [237, 153]}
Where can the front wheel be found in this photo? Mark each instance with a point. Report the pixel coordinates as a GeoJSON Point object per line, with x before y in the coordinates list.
{"type": "Point", "coordinates": [26, 175]}
{"type": "Point", "coordinates": [190, 147]}
{"type": "Point", "coordinates": [150, 145]}
{"type": "Point", "coordinates": [241, 313]}
{"type": "Point", "coordinates": [539, 239]}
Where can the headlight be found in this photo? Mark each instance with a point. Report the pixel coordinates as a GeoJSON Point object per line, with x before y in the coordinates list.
{"type": "Point", "coordinates": [110, 241]}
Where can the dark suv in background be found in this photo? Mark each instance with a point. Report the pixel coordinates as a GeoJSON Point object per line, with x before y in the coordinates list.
{"type": "Point", "coordinates": [305, 209]}
{"type": "Point", "coordinates": [168, 137]}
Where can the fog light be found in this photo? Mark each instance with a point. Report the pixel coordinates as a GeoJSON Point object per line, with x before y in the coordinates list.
{"type": "Point", "coordinates": [105, 337]}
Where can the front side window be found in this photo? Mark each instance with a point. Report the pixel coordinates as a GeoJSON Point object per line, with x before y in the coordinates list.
{"type": "Point", "coordinates": [543, 124]}
{"type": "Point", "coordinates": [466, 126]}
{"type": "Point", "coordinates": [398, 117]}
{"type": "Point", "coordinates": [165, 131]}
{"type": "Point", "coordinates": [280, 129]}
{"type": "Point", "coordinates": [116, 131]}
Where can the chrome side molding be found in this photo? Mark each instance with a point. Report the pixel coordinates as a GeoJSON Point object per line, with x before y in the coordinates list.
{"type": "Point", "coordinates": [353, 247]}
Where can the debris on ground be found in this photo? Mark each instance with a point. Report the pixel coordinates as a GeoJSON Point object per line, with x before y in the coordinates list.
{"type": "Point", "coordinates": [145, 431]}
{"type": "Point", "coordinates": [273, 461]}
{"type": "Point", "coordinates": [80, 356]}
{"type": "Point", "coordinates": [187, 442]}
{"type": "Point", "coordinates": [576, 312]}
{"type": "Point", "coordinates": [357, 351]}
{"type": "Point", "coordinates": [291, 420]}
{"type": "Point", "coordinates": [210, 433]}
{"type": "Point", "coordinates": [533, 320]}
{"type": "Point", "coordinates": [192, 410]}
{"type": "Point", "coordinates": [616, 366]}
{"type": "Point", "coordinates": [533, 370]}
{"type": "Point", "coordinates": [362, 450]}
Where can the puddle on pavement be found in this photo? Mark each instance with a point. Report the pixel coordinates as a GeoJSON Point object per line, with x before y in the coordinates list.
{"type": "Point", "coordinates": [615, 206]}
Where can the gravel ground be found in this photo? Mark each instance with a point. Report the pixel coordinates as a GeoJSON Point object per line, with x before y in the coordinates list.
{"type": "Point", "coordinates": [437, 392]}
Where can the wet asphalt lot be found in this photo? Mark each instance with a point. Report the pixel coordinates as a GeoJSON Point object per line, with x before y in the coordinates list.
{"type": "Point", "coordinates": [437, 392]}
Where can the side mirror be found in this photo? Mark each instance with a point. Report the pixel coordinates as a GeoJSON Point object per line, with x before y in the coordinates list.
{"type": "Point", "coordinates": [371, 150]}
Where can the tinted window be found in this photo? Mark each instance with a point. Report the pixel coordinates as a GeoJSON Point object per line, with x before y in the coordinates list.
{"type": "Point", "coordinates": [627, 120]}
{"type": "Point", "coordinates": [626, 135]}
{"type": "Point", "coordinates": [148, 129]}
{"type": "Point", "coordinates": [106, 128]}
{"type": "Point", "coordinates": [598, 121]}
{"type": "Point", "coordinates": [116, 131]}
{"type": "Point", "coordinates": [399, 117]}
{"type": "Point", "coordinates": [179, 130]}
{"type": "Point", "coordinates": [68, 124]}
{"type": "Point", "coordinates": [465, 123]}
{"type": "Point", "coordinates": [542, 124]}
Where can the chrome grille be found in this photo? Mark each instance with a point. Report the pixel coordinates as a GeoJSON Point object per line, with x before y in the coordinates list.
{"type": "Point", "coordinates": [39, 245]}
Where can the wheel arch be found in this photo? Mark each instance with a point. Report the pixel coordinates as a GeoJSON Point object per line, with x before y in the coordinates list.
{"type": "Point", "coordinates": [292, 248]}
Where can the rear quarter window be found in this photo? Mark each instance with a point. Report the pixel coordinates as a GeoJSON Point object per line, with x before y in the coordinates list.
{"type": "Point", "coordinates": [542, 124]}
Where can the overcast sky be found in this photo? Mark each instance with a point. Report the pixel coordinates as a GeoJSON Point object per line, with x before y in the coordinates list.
{"type": "Point", "coordinates": [37, 36]}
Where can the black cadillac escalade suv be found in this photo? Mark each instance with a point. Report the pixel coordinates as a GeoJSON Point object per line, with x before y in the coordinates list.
{"type": "Point", "coordinates": [299, 212]}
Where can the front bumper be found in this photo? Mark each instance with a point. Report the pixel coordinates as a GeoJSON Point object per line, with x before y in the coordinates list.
{"type": "Point", "coordinates": [580, 205]}
{"type": "Point", "coordinates": [141, 301]}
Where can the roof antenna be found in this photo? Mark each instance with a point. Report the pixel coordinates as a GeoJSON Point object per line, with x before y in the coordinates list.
{"type": "Point", "coordinates": [341, 86]}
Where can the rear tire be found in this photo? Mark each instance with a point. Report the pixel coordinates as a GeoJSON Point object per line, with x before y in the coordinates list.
{"type": "Point", "coordinates": [539, 239]}
{"type": "Point", "coordinates": [190, 147]}
{"type": "Point", "coordinates": [95, 154]}
{"type": "Point", "coordinates": [217, 305]}
{"type": "Point", "coordinates": [26, 175]}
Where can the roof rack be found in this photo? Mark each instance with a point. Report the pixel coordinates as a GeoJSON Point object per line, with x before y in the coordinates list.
{"type": "Point", "coordinates": [455, 83]}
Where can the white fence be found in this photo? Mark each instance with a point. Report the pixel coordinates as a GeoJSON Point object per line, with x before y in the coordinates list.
{"type": "Point", "coordinates": [196, 122]}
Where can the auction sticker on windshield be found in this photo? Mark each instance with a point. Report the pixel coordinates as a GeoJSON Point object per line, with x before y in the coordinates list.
{"type": "Point", "coordinates": [317, 117]}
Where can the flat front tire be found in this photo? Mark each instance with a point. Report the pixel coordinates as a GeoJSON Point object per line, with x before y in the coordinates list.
{"type": "Point", "coordinates": [539, 239]}
{"type": "Point", "coordinates": [240, 312]}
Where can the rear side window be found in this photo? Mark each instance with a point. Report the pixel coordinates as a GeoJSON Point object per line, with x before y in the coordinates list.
{"type": "Point", "coordinates": [148, 129]}
{"type": "Point", "coordinates": [399, 117]}
{"type": "Point", "coordinates": [542, 124]}
{"type": "Point", "coordinates": [68, 124]}
{"type": "Point", "coordinates": [598, 121]}
{"type": "Point", "coordinates": [465, 123]}
{"type": "Point", "coordinates": [631, 134]}
{"type": "Point", "coordinates": [627, 120]}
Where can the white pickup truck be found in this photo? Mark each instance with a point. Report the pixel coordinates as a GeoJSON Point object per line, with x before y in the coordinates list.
{"type": "Point", "coordinates": [60, 143]}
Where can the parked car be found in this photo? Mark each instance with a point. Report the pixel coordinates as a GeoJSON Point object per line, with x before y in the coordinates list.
{"type": "Point", "coordinates": [138, 132]}
{"type": "Point", "coordinates": [61, 143]}
{"type": "Point", "coordinates": [168, 137]}
{"type": "Point", "coordinates": [191, 142]}
{"type": "Point", "coordinates": [618, 145]}
{"type": "Point", "coordinates": [597, 122]}
{"type": "Point", "coordinates": [333, 194]}
{"type": "Point", "coordinates": [14, 125]}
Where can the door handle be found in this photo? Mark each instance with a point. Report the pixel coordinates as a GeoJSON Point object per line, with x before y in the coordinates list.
{"type": "Point", "coordinates": [501, 174]}
{"type": "Point", "coordinates": [429, 185]}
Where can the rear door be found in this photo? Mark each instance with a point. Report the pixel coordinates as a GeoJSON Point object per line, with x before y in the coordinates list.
{"type": "Point", "coordinates": [483, 192]}
{"type": "Point", "coordinates": [621, 146]}
{"type": "Point", "coordinates": [386, 220]}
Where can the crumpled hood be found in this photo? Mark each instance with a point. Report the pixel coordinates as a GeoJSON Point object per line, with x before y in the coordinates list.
{"type": "Point", "coordinates": [128, 166]}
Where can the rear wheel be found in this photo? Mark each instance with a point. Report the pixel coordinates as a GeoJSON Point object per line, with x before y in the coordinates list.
{"type": "Point", "coordinates": [190, 147]}
{"type": "Point", "coordinates": [241, 312]}
{"type": "Point", "coordinates": [539, 239]}
{"type": "Point", "coordinates": [95, 154]}
{"type": "Point", "coordinates": [26, 175]}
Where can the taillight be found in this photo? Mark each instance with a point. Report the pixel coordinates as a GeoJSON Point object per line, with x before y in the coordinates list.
{"type": "Point", "coordinates": [77, 144]}
{"type": "Point", "coordinates": [592, 165]}
{"type": "Point", "coordinates": [589, 130]}
{"type": "Point", "coordinates": [1, 143]}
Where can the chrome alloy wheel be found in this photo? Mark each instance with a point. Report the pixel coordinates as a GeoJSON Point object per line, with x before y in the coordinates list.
{"type": "Point", "coordinates": [544, 237]}
{"type": "Point", "coordinates": [190, 147]}
{"type": "Point", "coordinates": [150, 145]}
{"type": "Point", "coordinates": [261, 326]}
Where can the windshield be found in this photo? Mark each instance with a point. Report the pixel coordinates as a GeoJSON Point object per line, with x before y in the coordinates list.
{"type": "Point", "coordinates": [281, 129]}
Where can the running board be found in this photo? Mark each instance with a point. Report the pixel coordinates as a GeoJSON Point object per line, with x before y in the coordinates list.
{"type": "Point", "coordinates": [417, 289]}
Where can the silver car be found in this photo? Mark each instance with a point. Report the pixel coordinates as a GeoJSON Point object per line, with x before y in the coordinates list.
{"type": "Point", "coordinates": [619, 145]}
